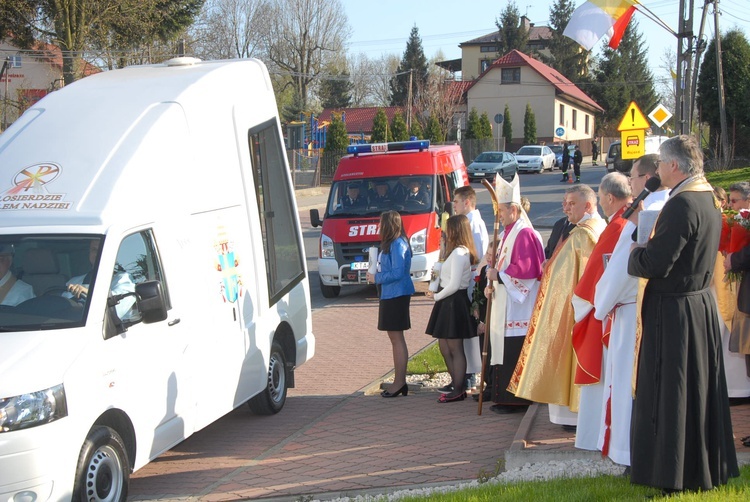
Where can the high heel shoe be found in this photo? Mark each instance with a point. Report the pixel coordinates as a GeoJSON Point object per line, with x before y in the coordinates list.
{"type": "Point", "coordinates": [403, 390]}
{"type": "Point", "coordinates": [446, 398]}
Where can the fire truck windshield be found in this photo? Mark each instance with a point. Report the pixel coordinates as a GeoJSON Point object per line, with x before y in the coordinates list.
{"type": "Point", "coordinates": [372, 196]}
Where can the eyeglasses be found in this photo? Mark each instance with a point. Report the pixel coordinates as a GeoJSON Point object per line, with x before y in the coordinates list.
{"type": "Point", "coordinates": [733, 201]}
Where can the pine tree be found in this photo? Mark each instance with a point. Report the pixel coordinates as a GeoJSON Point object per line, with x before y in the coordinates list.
{"type": "Point", "coordinates": [473, 128]}
{"type": "Point", "coordinates": [485, 128]}
{"type": "Point", "coordinates": [398, 128]}
{"type": "Point", "coordinates": [416, 130]}
{"type": "Point", "coordinates": [512, 35]}
{"type": "Point", "coordinates": [380, 131]}
{"type": "Point", "coordinates": [413, 61]}
{"type": "Point", "coordinates": [336, 91]}
{"type": "Point", "coordinates": [529, 126]}
{"type": "Point", "coordinates": [507, 127]}
{"type": "Point", "coordinates": [567, 56]}
{"type": "Point", "coordinates": [735, 60]}
{"type": "Point", "coordinates": [623, 76]}
{"type": "Point", "coordinates": [337, 138]}
{"type": "Point", "coordinates": [433, 132]}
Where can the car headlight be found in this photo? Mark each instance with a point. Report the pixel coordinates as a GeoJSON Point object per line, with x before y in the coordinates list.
{"type": "Point", "coordinates": [32, 409]}
{"type": "Point", "coordinates": [326, 247]}
{"type": "Point", "coordinates": [418, 242]}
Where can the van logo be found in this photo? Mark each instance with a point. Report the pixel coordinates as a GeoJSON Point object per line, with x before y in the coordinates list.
{"type": "Point", "coordinates": [29, 190]}
{"type": "Point", "coordinates": [365, 229]}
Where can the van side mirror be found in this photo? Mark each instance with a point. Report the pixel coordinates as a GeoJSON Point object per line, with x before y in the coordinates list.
{"type": "Point", "coordinates": [152, 303]}
{"type": "Point", "coordinates": [315, 220]}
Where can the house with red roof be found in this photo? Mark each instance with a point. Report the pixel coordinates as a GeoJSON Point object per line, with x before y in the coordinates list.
{"type": "Point", "coordinates": [28, 76]}
{"type": "Point", "coordinates": [563, 112]}
{"type": "Point", "coordinates": [359, 120]}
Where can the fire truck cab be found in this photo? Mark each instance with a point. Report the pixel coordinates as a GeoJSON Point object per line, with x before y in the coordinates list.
{"type": "Point", "coordinates": [411, 177]}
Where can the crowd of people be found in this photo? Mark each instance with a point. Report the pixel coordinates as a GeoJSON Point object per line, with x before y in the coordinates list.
{"type": "Point", "coordinates": [622, 325]}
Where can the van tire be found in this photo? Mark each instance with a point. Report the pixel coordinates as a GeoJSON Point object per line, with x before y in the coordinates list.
{"type": "Point", "coordinates": [329, 291]}
{"type": "Point", "coordinates": [103, 470]}
{"type": "Point", "coordinates": [273, 397]}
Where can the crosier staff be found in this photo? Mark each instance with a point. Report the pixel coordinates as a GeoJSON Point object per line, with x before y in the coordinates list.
{"type": "Point", "coordinates": [486, 342]}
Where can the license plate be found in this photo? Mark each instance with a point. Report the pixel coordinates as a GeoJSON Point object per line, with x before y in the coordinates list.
{"type": "Point", "coordinates": [360, 265]}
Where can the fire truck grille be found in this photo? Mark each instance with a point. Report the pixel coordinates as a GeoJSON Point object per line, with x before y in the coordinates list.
{"type": "Point", "coordinates": [348, 252]}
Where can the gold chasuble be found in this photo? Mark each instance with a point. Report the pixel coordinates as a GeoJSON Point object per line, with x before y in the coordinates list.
{"type": "Point", "coordinates": [546, 366]}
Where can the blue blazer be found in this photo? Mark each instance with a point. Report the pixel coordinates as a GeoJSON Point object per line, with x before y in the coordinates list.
{"type": "Point", "coordinates": [394, 278]}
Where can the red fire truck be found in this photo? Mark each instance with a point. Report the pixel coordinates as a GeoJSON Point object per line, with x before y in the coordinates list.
{"type": "Point", "coordinates": [411, 177]}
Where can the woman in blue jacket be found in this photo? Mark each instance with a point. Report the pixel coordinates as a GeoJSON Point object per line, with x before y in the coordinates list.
{"type": "Point", "coordinates": [396, 288]}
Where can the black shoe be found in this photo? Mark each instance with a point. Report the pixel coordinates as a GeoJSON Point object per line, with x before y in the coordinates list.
{"type": "Point", "coordinates": [578, 179]}
{"type": "Point", "coordinates": [446, 389]}
{"type": "Point", "coordinates": [403, 390]}
{"type": "Point", "coordinates": [563, 180]}
{"type": "Point", "coordinates": [447, 398]}
{"type": "Point", "coordinates": [626, 472]}
{"type": "Point", "coordinates": [569, 428]}
{"type": "Point", "coordinates": [503, 409]}
{"type": "Point", "coordinates": [485, 397]}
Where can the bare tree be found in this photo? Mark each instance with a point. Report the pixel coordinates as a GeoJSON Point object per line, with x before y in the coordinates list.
{"type": "Point", "coordinates": [303, 36]}
{"type": "Point", "coordinates": [441, 97]}
{"type": "Point", "coordinates": [665, 84]}
{"type": "Point", "coordinates": [384, 69]}
{"type": "Point", "coordinates": [361, 72]}
{"type": "Point", "coordinates": [230, 29]}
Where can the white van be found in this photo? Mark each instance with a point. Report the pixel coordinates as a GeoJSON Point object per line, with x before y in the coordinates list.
{"type": "Point", "coordinates": [613, 161]}
{"type": "Point", "coordinates": [152, 272]}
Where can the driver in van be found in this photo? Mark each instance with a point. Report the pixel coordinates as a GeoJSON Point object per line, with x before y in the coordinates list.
{"type": "Point", "coordinates": [12, 291]}
{"type": "Point", "coordinates": [416, 194]}
{"type": "Point", "coordinates": [354, 197]}
{"type": "Point", "coordinates": [78, 287]}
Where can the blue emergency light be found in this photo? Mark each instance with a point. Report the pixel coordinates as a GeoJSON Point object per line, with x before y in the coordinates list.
{"type": "Point", "coordinates": [396, 146]}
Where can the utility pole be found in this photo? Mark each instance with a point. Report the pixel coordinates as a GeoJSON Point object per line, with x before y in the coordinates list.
{"type": "Point", "coordinates": [684, 66]}
{"type": "Point", "coordinates": [700, 46]}
{"type": "Point", "coordinates": [724, 155]}
{"type": "Point", "coordinates": [408, 104]}
{"type": "Point", "coordinates": [4, 71]}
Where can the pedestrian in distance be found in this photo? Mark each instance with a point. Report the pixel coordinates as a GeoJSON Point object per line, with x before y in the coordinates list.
{"type": "Point", "coordinates": [565, 162]}
{"type": "Point", "coordinates": [451, 321]}
{"type": "Point", "coordinates": [577, 161]}
{"type": "Point", "coordinates": [396, 288]}
{"type": "Point", "coordinates": [594, 151]}
{"type": "Point", "coordinates": [681, 433]}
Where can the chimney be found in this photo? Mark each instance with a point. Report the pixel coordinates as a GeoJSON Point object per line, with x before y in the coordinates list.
{"type": "Point", "coordinates": [526, 22]}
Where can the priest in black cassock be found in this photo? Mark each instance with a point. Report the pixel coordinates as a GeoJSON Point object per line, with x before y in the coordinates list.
{"type": "Point", "coordinates": [681, 435]}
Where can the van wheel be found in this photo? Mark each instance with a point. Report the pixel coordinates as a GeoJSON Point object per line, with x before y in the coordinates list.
{"type": "Point", "coordinates": [103, 471]}
{"type": "Point", "coordinates": [329, 291]}
{"type": "Point", "coordinates": [273, 397]}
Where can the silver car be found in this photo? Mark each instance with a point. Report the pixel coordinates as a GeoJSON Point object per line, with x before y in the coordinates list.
{"type": "Point", "coordinates": [487, 164]}
{"type": "Point", "coordinates": [535, 158]}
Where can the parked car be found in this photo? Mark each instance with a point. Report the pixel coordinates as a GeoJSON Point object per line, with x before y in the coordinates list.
{"type": "Point", "coordinates": [558, 149]}
{"type": "Point", "coordinates": [614, 161]}
{"type": "Point", "coordinates": [535, 158]}
{"type": "Point", "coordinates": [487, 164]}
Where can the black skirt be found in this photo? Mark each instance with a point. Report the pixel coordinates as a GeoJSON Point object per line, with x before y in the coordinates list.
{"type": "Point", "coordinates": [451, 317]}
{"type": "Point", "coordinates": [393, 314]}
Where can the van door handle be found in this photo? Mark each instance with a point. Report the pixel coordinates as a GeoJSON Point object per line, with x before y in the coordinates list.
{"type": "Point", "coordinates": [173, 322]}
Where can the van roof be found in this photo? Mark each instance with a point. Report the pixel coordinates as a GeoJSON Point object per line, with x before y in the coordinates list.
{"type": "Point", "coordinates": [128, 143]}
{"type": "Point", "coordinates": [367, 165]}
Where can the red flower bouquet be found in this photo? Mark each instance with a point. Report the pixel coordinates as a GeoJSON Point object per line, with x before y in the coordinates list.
{"type": "Point", "coordinates": [735, 235]}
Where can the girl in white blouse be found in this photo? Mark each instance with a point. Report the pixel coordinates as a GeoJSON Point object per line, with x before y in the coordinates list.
{"type": "Point", "coordinates": [450, 321]}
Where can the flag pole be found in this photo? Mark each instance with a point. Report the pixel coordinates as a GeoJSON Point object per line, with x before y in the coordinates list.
{"type": "Point", "coordinates": [485, 344]}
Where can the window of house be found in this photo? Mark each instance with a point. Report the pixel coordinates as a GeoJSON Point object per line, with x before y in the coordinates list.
{"type": "Point", "coordinates": [281, 240]}
{"type": "Point", "coordinates": [586, 124]}
{"type": "Point", "coordinates": [562, 115]}
{"type": "Point", "coordinates": [488, 48]}
{"type": "Point", "coordinates": [484, 64]}
{"type": "Point", "coordinates": [15, 61]}
{"type": "Point", "coordinates": [575, 119]}
{"type": "Point", "coordinates": [510, 75]}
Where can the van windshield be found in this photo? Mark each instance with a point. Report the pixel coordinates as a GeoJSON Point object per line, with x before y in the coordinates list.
{"type": "Point", "coordinates": [46, 280]}
{"type": "Point", "coordinates": [372, 196]}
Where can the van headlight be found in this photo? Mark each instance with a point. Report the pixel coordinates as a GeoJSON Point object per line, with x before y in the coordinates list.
{"type": "Point", "coordinates": [326, 247]}
{"type": "Point", "coordinates": [32, 409]}
{"type": "Point", "coordinates": [418, 242]}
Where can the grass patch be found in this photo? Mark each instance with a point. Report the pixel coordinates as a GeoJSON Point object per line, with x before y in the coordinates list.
{"type": "Point", "coordinates": [589, 489]}
{"type": "Point", "coordinates": [726, 178]}
{"type": "Point", "coordinates": [427, 362]}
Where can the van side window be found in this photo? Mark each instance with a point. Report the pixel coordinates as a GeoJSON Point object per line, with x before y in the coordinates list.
{"type": "Point", "coordinates": [281, 239]}
{"type": "Point", "coordinates": [137, 261]}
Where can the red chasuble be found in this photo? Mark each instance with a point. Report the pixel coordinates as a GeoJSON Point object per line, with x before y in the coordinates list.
{"type": "Point", "coordinates": [587, 334]}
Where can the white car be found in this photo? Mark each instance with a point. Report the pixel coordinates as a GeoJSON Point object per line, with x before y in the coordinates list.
{"type": "Point", "coordinates": [535, 158]}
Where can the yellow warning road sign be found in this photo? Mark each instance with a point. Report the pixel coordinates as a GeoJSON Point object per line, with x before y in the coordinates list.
{"type": "Point", "coordinates": [633, 119]}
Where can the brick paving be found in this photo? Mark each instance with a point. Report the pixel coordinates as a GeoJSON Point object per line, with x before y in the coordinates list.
{"type": "Point", "coordinates": [337, 436]}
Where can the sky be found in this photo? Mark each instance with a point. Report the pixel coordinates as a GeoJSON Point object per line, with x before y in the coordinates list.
{"type": "Point", "coordinates": [383, 26]}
